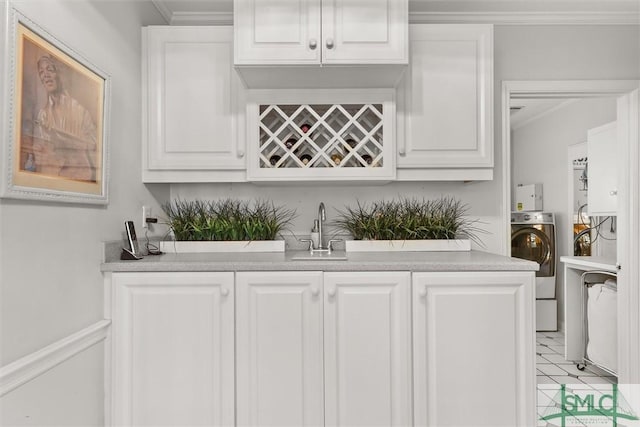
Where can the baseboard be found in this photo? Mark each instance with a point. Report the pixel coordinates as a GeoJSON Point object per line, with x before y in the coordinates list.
{"type": "Point", "coordinates": [37, 363]}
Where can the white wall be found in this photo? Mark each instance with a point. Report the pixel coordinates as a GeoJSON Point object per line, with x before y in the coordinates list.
{"type": "Point", "coordinates": [528, 52]}
{"type": "Point", "coordinates": [51, 252]}
{"type": "Point", "coordinates": [305, 198]}
{"type": "Point", "coordinates": [539, 155]}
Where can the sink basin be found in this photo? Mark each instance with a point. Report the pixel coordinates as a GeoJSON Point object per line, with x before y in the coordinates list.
{"type": "Point", "coordinates": [320, 256]}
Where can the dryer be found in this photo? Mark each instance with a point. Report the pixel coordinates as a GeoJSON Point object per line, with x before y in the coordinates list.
{"type": "Point", "coordinates": [533, 237]}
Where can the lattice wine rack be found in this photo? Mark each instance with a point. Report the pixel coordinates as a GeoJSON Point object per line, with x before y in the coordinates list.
{"type": "Point", "coordinates": [314, 140]}
{"type": "Point", "coordinates": [321, 136]}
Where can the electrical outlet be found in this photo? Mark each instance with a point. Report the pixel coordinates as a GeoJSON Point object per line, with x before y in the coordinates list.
{"type": "Point", "coordinates": [146, 213]}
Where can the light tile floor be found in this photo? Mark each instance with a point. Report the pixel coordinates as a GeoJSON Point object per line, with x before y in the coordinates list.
{"type": "Point", "coordinates": [552, 368]}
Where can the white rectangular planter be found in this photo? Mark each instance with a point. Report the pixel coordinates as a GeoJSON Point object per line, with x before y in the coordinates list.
{"type": "Point", "coordinates": [180, 246]}
{"type": "Point", "coordinates": [407, 245]}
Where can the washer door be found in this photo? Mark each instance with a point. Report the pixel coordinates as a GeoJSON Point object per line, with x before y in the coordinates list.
{"type": "Point", "coordinates": [535, 243]}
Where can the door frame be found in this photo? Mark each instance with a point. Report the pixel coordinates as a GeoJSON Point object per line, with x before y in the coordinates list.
{"type": "Point", "coordinates": [629, 184]}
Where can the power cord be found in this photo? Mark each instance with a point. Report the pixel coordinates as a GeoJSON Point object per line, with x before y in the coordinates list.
{"type": "Point", "coordinates": [596, 227]}
{"type": "Point", "coordinates": [151, 248]}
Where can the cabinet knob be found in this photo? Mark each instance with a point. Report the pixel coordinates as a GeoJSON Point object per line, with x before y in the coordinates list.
{"type": "Point", "coordinates": [240, 154]}
{"type": "Point", "coordinates": [329, 43]}
{"type": "Point", "coordinates": [331, 292]}
{"type": "Point", "coordinates": [423, 293]}
{"type": "Point", "coordinates": [313, 43]}
{"type": "Point", "coordinates": [315, 291]}
{"type": "Point", "coordinates": [224, 292]}
{"type": "Point", "coordinates": [613, 192]}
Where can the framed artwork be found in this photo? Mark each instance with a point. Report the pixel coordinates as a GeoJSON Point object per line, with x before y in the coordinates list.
{"type": "Point", "coordinates": [57, 114]}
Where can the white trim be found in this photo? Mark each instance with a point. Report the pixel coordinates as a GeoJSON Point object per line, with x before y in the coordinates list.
{"type": "Point", "coordinates": [419, 17]}
{"type": "Point", "coordinates": [163, 9]}
{"type": "Point", "coordinates": [567, 88]}
{"type": "Point", "coordinates": [37, 363]}
{"type": "Point", "coordinates": [525, 18]}
{"type": "Point", "coordinates": [208, 18]}
{"type": "Point", "coordinates": [446, 174]}
{"type": "Point", "coordinates": [628, 248]}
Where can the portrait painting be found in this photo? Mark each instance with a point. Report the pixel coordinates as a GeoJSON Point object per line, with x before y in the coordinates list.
{"type": "Point", "coordinates": [58, 107]}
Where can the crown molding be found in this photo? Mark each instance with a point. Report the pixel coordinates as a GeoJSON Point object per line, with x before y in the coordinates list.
{"type": "Point", "coordinates": [192, 18]}
{"type": "Point", "coordinates": [618, 17]}
{"type": "Point", "coordinates": [163, 9]}
{"type": "Point", "coordinates": [202, 18]}
{"type": "Point", "coordinates": [527, 18]}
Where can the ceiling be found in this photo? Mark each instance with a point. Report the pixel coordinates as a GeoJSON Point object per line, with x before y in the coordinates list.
{"type": "Point", "coordinates": [488, 11]}
{"type": "Point", "coordinates": [527, 110]}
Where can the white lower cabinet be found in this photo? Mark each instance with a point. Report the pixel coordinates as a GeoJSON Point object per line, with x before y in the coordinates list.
{"type": "Point", "coordinates": [360, 376]}
{"type": "Point", "coordinates": [321, 349]}
{"type": "Point", "coordinates": [279, 349]}
{"type": "Point", "coordinates": [367, 349]}
{"type": "Point", "coordinates": [172, 349]}
{"type": "Point", "coordinates": [473, 349]}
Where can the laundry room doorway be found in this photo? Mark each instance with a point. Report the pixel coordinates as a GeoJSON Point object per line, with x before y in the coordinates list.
{"type": "Point", "coordinates": [624, 95]}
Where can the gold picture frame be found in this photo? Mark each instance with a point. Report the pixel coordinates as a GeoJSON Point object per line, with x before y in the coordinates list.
{"type": "Point", "coordinates": [58, 120]}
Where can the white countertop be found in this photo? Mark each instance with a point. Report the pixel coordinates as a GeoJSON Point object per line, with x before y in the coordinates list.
{"type": "Point", "coordinates": [590, 262]}
{"type": "Point", "coordinates": [356, 261]}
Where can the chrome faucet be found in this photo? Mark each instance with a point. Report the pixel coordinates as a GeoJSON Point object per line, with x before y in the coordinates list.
{"type": "Point", "coordinates": [322, 216]}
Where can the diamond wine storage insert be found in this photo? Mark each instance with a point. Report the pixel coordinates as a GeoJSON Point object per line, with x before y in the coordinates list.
{"type": "Point", "coordinates": [351, 140]}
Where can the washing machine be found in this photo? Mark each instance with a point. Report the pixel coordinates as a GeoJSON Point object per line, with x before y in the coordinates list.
{"type": "Point", "coordinates": [533, 237]}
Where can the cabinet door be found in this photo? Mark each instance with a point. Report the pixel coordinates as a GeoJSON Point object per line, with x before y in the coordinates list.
{"type": "Point", "coordinates": [190, 104]}
{"type": "Point", "coordinates": [448, 96]}
{"type": "Point", "coordinates": [473, 339]}
{"type": "Point", "coordinates": [367, 349]}
{"type": "Point", "coordinates": [279, 349]}
{"type": "Point", "coordinates": [371, 32]}
{"type": "Point", "coordinates": [173, 349]}
{"type": "Point", "coordinates": [602, 154]}
{"type": "Point", "coordinates": [280, 32]}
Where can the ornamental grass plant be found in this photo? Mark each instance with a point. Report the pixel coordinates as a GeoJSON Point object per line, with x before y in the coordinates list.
{"type": "Point", "coordinates": [226, 220]}
{"type": "Point", "coordinates": [408, 219]}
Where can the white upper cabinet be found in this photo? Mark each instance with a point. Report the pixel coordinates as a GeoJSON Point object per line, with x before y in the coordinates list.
{"type": "Point", "coordinates": [192, 112]}
{"type": "Point", "coordinates": [365, 32]}
{"type": "Point", "coordinates": [445, 103]}
{"type": "Point", "coordinates": [283, 32]}
{"type": "Point", "coordinates": [320, 31]}
{"type": "Point", "coordinates": [602, 193]}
